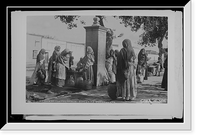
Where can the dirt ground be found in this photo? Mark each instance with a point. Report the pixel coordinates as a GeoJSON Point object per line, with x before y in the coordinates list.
{"type": "Point", "coordinates": [149, 91]}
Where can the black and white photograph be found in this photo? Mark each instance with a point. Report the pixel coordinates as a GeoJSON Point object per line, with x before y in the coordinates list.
{"type": "Point", "coordinates": [123, 66]}
{"type": "Point", "coordinates": [96, 59]}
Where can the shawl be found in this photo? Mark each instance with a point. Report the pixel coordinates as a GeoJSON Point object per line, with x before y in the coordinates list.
{"type": "Point", "coordinates": [63, 58]}
{"type": "Point", "coordinates": [55, 55]}
{"type": "Point", "coordinates": [130, 51]}
{"type": "Point", "coordinates": [125, 54]}
{"type": "Point", "coordinates": [40, 56]}
{"type": "Point", "coordinates": [142, 58]}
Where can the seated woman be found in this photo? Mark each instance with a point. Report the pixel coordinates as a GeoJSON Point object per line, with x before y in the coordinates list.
{"type": "Point", "coordinates": [85, 65]}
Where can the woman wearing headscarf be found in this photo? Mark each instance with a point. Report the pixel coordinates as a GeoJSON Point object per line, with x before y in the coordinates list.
{"type": "Point", "coordinates": [87, 63]}
{"type": "Point", "coordinates": [52, 65]}
{"type": "Point", "coordinates": [62, 65]}
{"type": "Point", "coordinates": [110, 66]}
{"type": "Point", "coordinates": [126, 78]}
{"type": "Point", "coordinates": [142, 63]}
{"type": "Point", "coordinates": [39, 74]}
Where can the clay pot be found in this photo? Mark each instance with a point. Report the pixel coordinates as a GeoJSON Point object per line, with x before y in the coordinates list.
{"type": "Point", "coordinates": [79, 82]}
{"type": "Point", "coordinates": [112, 91]}
{"type": "Point", "coordinates": [87, 85]}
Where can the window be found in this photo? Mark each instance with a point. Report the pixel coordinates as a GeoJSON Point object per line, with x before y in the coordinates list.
{"type": "Point", "coordinates": [35, 52]}
{"type": "Point", "coordinates": [37, 44]}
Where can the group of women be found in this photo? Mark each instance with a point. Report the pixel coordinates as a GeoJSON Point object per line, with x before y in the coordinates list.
{"type": "Point", "coordinates": [126, 73]}
{"type": "Point", "coordinates": [121, 67]}
{"type": "Point", "coordinates": [59, 64]}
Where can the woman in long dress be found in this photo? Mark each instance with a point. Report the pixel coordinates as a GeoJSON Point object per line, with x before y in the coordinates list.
{"type": "Point", "coordinates": [111, 67]}
{"type": "Point", "coordinates": [62, 65]}
{"type": "Point", "coordinates": [141, 67]}
{"type": "Point", "coordinates": [52, 66]}
{"type": "Point", "coordinates": [87, 65]}
{"type": "Point", "coordinates": [165, 76]}
{"type": "Point", "coordinates": [39, 74]}
{"type": "Point", "coordinates": [126, 78]}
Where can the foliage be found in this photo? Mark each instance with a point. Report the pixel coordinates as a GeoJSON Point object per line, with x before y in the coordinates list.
{"type": "Point", "coordinates": [155, 28]}
{"type": "Point", "coordinates": [69, 20]}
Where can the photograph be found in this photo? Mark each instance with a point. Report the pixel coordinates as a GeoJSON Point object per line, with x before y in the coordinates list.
{"type": "Point", "coordinates": [97, 58]}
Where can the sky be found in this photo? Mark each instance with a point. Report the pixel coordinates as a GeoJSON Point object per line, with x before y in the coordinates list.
{"type": "Point", "coordinates": [48, 25]}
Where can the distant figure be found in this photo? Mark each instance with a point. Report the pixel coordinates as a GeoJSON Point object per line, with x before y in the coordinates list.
{"type": "Point", "coordinates": [146, 68]}
{"type": "Point", "coordinates": [126, 78]}
{"type": "Point", "coordinates": [158, 69]}
{"type": "Point", "coordinates": [61, 67]}
{"type": "Point", "coordinates": [39, 74]}
{"type": "Point", "coordinates": [165, 76]}
{"type": "Point", "coordinates": [110, 67]}
{"type": "Point", "coordinates": [141, 67]}
{"type": "Point", "coordinates": [52, 65]}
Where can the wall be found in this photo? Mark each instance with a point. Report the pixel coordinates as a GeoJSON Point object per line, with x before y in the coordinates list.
{"type": "Point", "coordinates": [78, 51]}
{"type": "Point", "coordinates": [37, 42]}
{"type": "Point", "coordinates": [33, 42]}
{"type": "Point", "coordinates": [49, 44]}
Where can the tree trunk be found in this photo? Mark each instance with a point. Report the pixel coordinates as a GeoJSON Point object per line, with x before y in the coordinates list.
{"type": "Point", "coordinates": [160, 47]}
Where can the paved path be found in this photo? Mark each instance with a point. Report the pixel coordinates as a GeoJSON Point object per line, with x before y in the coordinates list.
{"type": "Point", "coordinates": [148, 92]}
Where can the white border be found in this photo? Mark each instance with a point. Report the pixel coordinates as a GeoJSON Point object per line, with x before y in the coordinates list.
{"type": "Point", "coordinates": [19, 106]}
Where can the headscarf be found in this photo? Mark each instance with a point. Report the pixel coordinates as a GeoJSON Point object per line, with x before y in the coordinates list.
{"type": "Point", "coordinates": [142, 58]}
{"type": "Point", "coordinates": [56, 52]}
{"type": "Point", "coordinates": [130, 51]}
{"type": "Point", "coordinates": [90, 50]}
{"type": "Point", "coordinates": [126, 53]}
{"type": "Point", "coordinates": [63, 59]}
{"type": "Point", "coordinates": [57, 48]}
{"type": "Point", "coordinates": [91, 53]}
{"type": "Point", "coordinates": [40, 56]}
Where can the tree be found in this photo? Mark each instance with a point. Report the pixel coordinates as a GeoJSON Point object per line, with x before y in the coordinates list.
{"type": "Point", "coordinates": [155, 29]}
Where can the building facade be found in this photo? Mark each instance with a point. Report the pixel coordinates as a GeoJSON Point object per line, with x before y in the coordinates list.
{"type": "Point", "coordinates": [36, 42]}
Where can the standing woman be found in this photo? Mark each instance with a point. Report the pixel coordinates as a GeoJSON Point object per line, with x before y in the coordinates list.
{"type": "Point", "coordinates": [141, 67]}
{"type": "Point", "coordinates": [62, 65]}
{"type": "Point", "coordinates": [88, 62]}
{"type": "Point", "coordinates": [125, 72]}
{"type": "Point", "coordinates": [39, 74]}
{"type": "Point", "coordinates": [52, 66]}
{"type": "Point", "coordinates": [110, 66]}
{"type": "Point", "coordinates": [165, 76]}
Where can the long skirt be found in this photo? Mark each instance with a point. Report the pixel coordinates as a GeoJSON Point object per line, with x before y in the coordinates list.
{"type": "Point", "coordinates": [146, 74]}
{"type": "Point", "coordinates": [111, 74]}
{"type": "Point", "coordinates": [60, 75]}
{"type": "Point", "coordinates": [51, 73]}
{"type": "Point", "coordinates": [128, 88]}
{"type": "Point", "coordinates": [141, 75]}
{"type": "Point", "coordinates": [34, 78]}
{"type": "Point", "coordinates": [89, 74]}
{"type": "Point", "coordinates": [164, 80]}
